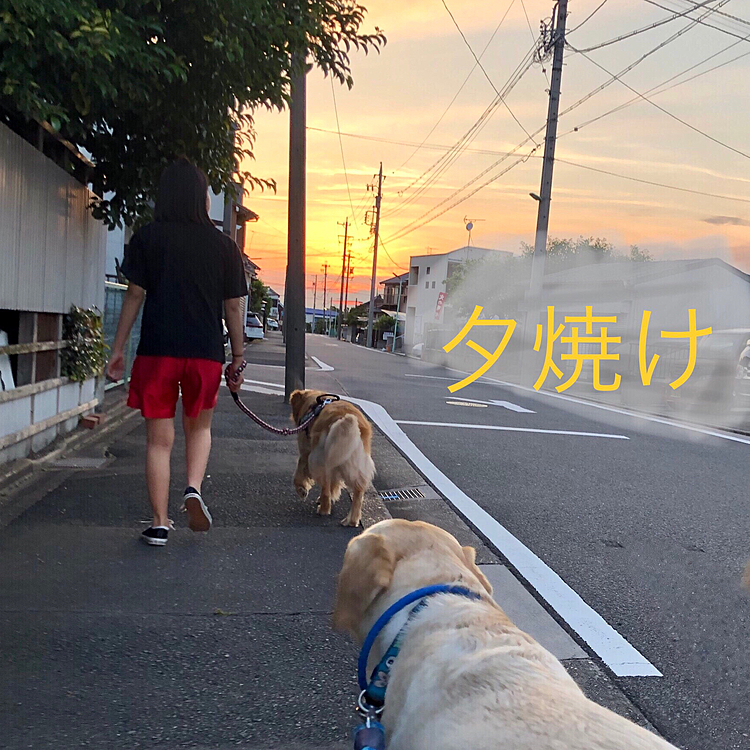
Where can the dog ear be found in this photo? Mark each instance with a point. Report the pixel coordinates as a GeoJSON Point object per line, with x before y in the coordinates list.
{"type": "Point", "coordinates": [470, 556]}
{"type": "Point", "coordinates": [367, 571]}
{"type": "Point", "coordinates": [296, 400]}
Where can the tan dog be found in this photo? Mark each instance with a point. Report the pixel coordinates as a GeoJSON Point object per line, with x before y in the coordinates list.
{"type": "Point", "coordinates": [334, 452]}
{"type": "Point", "coordinates": [466, 676]}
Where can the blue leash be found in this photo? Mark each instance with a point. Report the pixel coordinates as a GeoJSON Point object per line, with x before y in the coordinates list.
{"type": "Point", "coordinates": [371, 734]}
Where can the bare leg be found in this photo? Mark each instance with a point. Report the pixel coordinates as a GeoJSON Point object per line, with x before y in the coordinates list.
{"type": "Point", "coordinates": [159, 442]}
{"type": "Point", "coordinates": [197, 446]}
{"type": "Point", "coordinates": [354, 517]}
{"type": "Point", "coordinates": [302, 479]}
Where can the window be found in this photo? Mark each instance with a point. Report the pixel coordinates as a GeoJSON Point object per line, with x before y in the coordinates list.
{"type": "Point", "coordinates": [428, 270]}
{"type": "Point", "coordinates": [427, 285]}
{"type": "Point", "coordinates": [433, 284]}
{"type": "Point", "coordinates": [414, 276]}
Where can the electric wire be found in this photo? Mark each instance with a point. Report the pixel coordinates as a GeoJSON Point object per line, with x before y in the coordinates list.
{"type": "Point", "coordinates": [482, 68]}
{"type": "Point", "coordinates": [642, 29]}
{"type": "Point", "coordinates": [700, 21]}
{"type": "Point", "coordinates": [668, 113]}
{"type": "Point", "coordinates": [589, 17]}
{"type": "Point", "coordinates": [533, 36]}
{"type": "Point", "coordinates": [460, 89]}
{"type": "Point", "coordinates": [343, 160]}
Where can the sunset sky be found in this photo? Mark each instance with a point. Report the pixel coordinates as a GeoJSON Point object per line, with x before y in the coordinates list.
{"type": "Point", "coordinates": [400, 94]}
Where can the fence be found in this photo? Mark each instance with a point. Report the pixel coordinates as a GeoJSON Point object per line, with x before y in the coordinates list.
{"type": "Point", "coordinates": [114, 294]}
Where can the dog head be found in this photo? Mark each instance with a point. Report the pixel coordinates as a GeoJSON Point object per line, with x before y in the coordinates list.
{"type": "Point", "coordinates": [417, 553]}
{"type": "Point", "coordinates": [301, 402]}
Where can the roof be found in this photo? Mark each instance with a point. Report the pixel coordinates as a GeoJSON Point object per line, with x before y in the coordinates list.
{"type": "Point", "coordinates": [245, 214]}
{"type": "Point", "coordinates": [250, 267]}
{"type": "Point", "coordinates": [628, 271]}
{"type": "Point", "coordinates": [271, 293]}
{"type": "Point", "coordinates": [465, 248]}
{"type": "Point", "coordinates": [396, 280]}
{"type": "Point", "coordinates": [321, 313]}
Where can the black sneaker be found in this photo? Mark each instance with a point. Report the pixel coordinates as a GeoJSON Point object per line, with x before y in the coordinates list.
{"type": "Point", "coordinates": [156, 535]}
{"type": "Point", "coordinates": [199, 519]}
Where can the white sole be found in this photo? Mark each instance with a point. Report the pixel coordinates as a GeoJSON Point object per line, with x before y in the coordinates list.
{"type": "Point", "coordinates": [154, 542]}
{"type": "Point", "coordinates": [199, 519]}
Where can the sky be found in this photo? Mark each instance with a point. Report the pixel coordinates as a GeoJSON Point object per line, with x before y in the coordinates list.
{"type": "Point", "coordinates": [400, 95]}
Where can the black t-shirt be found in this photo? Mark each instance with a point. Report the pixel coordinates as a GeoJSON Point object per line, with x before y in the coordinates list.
{"type": "Point", "coordinates": [187, 270]}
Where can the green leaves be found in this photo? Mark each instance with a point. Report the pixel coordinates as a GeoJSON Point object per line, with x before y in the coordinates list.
{"type": "Point", "coordinates": [138, 83]}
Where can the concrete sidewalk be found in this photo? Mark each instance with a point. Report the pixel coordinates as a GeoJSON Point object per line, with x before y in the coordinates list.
{"type": "Point", "coordinates": [219, 640]}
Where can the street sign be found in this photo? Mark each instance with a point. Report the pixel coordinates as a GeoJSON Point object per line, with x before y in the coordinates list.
{"type": "Point", "coordinates": [439, 306]}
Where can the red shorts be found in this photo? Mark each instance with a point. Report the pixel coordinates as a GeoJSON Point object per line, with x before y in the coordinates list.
{"type": "Point", "coordinates": [156, 382]}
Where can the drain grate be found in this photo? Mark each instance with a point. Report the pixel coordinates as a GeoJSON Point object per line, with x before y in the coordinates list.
{"type": "Point", "coordinates": [406, 493]}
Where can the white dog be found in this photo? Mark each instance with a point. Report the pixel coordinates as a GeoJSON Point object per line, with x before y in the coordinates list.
{"type": "Point", "coordinates": [466, 676]}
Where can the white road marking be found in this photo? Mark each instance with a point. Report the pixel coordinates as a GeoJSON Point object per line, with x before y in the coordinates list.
{"type": "Point", "coordinates": [503, 404]}
{"type": "Point", "coordinates": [466, 403]}
{"type": "Point", "coordinates": [617, 410]}
{"type": "Point", "coordinates": [619, 655]}
{"type": "Point", "coordinates": [323, 366]}
{"type": "Point", "coordinates": [504, 428]}
{"type": "Point", "coordinates": [622, 658]}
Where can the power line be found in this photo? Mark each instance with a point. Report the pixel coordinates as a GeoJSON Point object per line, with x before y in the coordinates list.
{"type": "Point", "coordinates": [659, 86]}
{"type": "Point", "coordinates": [533, 36]}
{"type": "Point", "coordinates": [460, 89]}
{"type": "Point", "coordinates": [447, 160]}
{"type": "Point", "coordinates": [655, 184]}
{"type": "Point", "coordinates": [668, 113]}
{"type": "Point", "coordinates": [341, 146]}
{"type": "Point", "coordinates": [701, 21]}
{"type": "Point", "coordinates": [723, 13]}
{"type": "Point", "coordinates": [649, 27]}
{"type": "Point", "coordinates": [614, 77]}
{"type": "Point", "coordinates": [399, 266]}
{"type": "Point", "coordinates": [589, 17]}
{"type": "Point", "coordinates": [481, 67]}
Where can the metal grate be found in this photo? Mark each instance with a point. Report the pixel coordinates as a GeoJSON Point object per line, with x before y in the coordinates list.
{"type": "Point", "coordinates": [407, 493]}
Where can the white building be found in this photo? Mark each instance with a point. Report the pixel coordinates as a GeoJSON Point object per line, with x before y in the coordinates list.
{"type": "Point", "coordinates": [426, 295]}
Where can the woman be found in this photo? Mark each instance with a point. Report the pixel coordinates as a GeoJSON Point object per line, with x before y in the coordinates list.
{"type": "Point", "coordinates": [187, 271]}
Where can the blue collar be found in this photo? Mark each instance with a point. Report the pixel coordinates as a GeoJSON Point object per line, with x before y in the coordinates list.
{"type": "Point", "coordinates": [374, 690]}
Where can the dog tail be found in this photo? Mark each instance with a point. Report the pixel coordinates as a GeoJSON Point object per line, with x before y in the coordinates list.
{"type": "Point", "coordinates": [345, 454]}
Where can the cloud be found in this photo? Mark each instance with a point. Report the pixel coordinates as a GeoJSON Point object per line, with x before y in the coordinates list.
{"type": "Point", "coordinates": [734, 221]}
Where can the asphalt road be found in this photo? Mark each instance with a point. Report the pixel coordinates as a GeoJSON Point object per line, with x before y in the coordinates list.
{"type": "Point", "coordinates": [652, 531]}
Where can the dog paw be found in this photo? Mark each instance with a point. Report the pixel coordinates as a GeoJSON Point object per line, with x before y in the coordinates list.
{"type": "Point", "coordinates": [324, 511]}
{"type": "Point", "coordinates": [349, 521]}
{"type": "Point", "coordinates": [303, 492]}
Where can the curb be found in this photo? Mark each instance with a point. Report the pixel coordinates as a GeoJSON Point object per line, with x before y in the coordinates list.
{"type": "Point", "coordinates": [373, 509]}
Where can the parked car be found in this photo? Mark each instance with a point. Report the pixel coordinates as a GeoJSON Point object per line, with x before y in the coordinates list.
{"type": "Point", "coordinates": [253, 327]}
{"type": "Point", "coordinates": [272, 324]}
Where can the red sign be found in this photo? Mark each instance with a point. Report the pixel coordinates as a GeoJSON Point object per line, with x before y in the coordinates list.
{"type": "Point", "coordinates": [439, 306]}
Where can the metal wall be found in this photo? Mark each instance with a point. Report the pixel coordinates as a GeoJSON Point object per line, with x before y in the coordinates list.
{"type": "Point", "coordinates": [52, 251]}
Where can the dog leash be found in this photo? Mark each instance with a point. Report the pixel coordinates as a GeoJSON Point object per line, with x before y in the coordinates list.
{"type": "Point", "coordinates": [322, 401]}
{"type": "Point", "coordinates": [370, 735]}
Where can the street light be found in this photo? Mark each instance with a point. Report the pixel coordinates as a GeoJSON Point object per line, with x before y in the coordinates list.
{"type": "Point", "coordinates": [535, 196]}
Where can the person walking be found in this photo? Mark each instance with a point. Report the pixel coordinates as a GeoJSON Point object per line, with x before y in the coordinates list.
{"type": "Point", "coordinates": [187, 271]}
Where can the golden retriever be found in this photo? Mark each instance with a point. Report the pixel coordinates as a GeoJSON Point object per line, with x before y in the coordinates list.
{"type": "Point", "coordinates": [334, 452]}
{"type": "Point", "coordinates": [466, 676]}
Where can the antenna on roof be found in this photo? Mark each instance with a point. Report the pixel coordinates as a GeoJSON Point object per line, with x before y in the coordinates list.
{"type": "Point", "coordinates": [469, 224]}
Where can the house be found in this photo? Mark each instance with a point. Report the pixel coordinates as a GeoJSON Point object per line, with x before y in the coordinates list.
{"type": "Point", "coordinates": [276, 307]}
{"type": "Point", "coordinates": [52, 256]}
{"type": "Point", "coordinates": [426, 291]}
{"type": "Point", "coordinates": [395, 292]}
{"type": "Point", "coordinates": [315, 315]}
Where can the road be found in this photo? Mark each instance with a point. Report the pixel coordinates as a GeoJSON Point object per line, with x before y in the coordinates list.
{"type": "Point", "coordinates": [648, 522]}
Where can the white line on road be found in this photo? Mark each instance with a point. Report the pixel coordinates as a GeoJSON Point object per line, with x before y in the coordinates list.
{"type": "Point", "coordinates": [323, 366]}
{"type": "Point", "coordinates": [622, 658]}
{"type": "Point", "coordinates": [504, 428]}
{"type": "Point", "coordinates": [503, 404]}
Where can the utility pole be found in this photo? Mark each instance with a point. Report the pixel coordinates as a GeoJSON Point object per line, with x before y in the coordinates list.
{"type": "Point", "coordinates": [315, 299]}
{"type": "Point", "coordinates": [343, 272]}
{"type": "Point", "coordinates": [556, 42]}
{"type": "Point", "coordinates": [325, 282]}
{"type": "Point", "coordinates": [349, 272]}
{"type": "Point", "coordinates": [294, 292]}
{"type": "Point", "coordinates": [371, 310]}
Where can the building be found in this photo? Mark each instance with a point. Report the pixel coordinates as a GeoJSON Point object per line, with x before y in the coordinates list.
{"type": "Point", "coordinates": [426, 291]}
{"type": "Point", "coordinates": [52, 256]}
{"type": "Point", "coordinates": [276, 307]}
{"type": "Point", "coordinates": [316, 315]}
{"type": "Point", "coordinates": [395, 292]}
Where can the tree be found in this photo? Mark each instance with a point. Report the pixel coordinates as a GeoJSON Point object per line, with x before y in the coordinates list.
{"type": "Point", "coordinates": [258, 296]}
{"type": "Point", "coordinates": [138, 82]}
{"type": "Point", "coordinates": [385, 323]}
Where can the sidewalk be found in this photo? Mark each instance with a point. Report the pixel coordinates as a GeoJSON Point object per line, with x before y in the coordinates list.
{"type": "Point", "coordinates": [216, 641]}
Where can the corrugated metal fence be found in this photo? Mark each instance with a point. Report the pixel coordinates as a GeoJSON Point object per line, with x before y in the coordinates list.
{"type": "Point", "coordinates": [114, 294]}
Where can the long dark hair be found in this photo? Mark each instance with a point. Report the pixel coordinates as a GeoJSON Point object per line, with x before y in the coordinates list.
{"type": "Point", "coordinates": [182, 194]}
